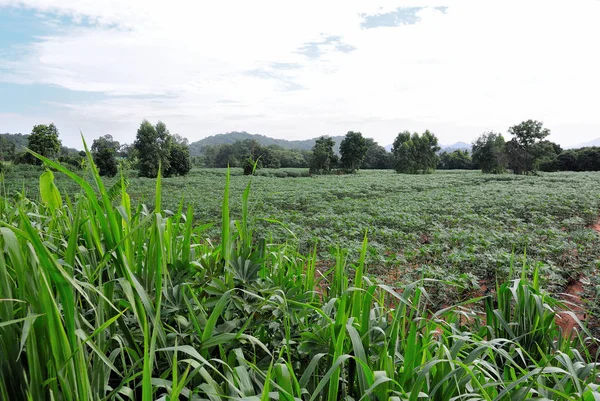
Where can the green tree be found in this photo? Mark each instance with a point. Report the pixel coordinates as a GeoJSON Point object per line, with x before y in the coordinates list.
{"type": "Point", "coordinates": [179, 157]}
{"type": "Point", "coordinates": [376, 156]}
{"type": "Point", "coordinates": [7, 149]}
{"type": "Point", "coordinates": [353, 149]}
{"type": "Point", "coordinates": [44, 140]}
{"type": "Point", "coordinates": [153, 148]}
{"type": "Point", "coordinates": [456, 160]}
{"type": "Point", "coordinates": [544, 153]}
{"type": "Point", "coordinates": [415, 154]}
{"type": "Point", "coordinates": [488, 153]}
{"type": "Point", "coordinates": [526, 134]}
{"type": "Point", "coordinates": [323, 158]}
{"type": "Point", "coordinates": [104, 150]}
{"type": "Point", "coordinates": [516, 157]}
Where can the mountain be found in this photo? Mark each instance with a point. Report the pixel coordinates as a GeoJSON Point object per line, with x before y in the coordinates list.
{"type": "Point", "coordinates": [456, 146]}
{"type": "Point", "coordinates": [231, 137]}
{"type": "Point", "coordinates": [595, 142]}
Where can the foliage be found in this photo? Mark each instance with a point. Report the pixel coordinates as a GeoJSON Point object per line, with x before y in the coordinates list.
{"type": "Point", "coordinates": [44, 140]}
{"type": "Point", "coordinates": [20, 142]}
{"type": "Point", "coordinates": [150, 147]}
{"type": "Point", "coordinates": [7, 148]}
{"type": "Point", "coordinates": [198, 148]}
{"type": "Point", "coordinates": [353, 150]}
{"type": "Point", "coordinates": [519, 161]}
{"type": "Point", "coordinates": [376, 157]}
{"type": "Point", "coordinates": [179, 157]}
{"type": "Point", "coordinates": [102, 300]}
{"type": "Point", "coordinates": [584, 159]}
{"type": "Point", "coordinates": [104, 150]}
{"type": "Point", "coordinates": [240, 153]}
{"type": "Point", "coordinates": [155, 146]}
{"type": "Point", "coordinates": [443, 225]}
{"type": "Point", "coordinates": [323, 159]}
{"type": "Point", "coordinates": [489, 153]}
{"type": "Point", "coordinates": [415, 154]}
{"type": "Point", "coordinates": [456, 160]}
{"type": "Point", "coordinates": [519, 151]}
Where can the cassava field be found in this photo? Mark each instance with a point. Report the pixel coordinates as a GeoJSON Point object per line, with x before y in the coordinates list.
{"type": "Point", "coordinates": [374, 286]}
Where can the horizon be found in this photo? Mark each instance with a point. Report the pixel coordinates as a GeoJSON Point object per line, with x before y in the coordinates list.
{"type": "Point", "coordinates": [300, 71]}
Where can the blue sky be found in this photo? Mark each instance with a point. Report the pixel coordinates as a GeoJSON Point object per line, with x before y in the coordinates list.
{"type": "Point", "coordinates": [456, 67]}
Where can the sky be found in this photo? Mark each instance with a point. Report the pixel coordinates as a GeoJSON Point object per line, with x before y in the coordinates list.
{"type": "Point", "coordinates": [302, 69]}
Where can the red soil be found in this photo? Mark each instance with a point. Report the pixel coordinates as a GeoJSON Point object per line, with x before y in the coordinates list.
{"type": "Point", "coordinates": [573, 299]}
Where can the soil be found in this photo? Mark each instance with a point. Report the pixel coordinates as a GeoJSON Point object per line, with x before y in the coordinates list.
{"type": "Point", "coordinates": [573, 297]}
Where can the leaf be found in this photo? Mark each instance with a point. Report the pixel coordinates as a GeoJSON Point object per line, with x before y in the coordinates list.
{"type": "Point", "coordinates": [49, 192]}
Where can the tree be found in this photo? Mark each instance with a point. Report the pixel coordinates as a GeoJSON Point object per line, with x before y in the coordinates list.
{"type": "Point", "coordinates": [415, 153]}
{"type": "Point", "coordinates": [526, 134]}
{"type": "Point", "coordinates": [323, 159]}
{"type": "Point", "coordinates": [456, 160]}
{"type": "Point", "coordinates": [153, 147]}
{"type": "Point", "coordinates": [516, 157]}
{"type": "Point", "coordinates": [44, 140]}
{"type": "Point", "coordinates": [376, 156]}
{"type": "Point", "coordinates": [353, 149]}
{"type": "Point", "coordinates": [7, 149]}
{"type": "Point", "coordinates": [104, 150]}
{"type": "Point", "coordinates": [488, 153]}
{"type": "Point", "coordinates": [179, 158]}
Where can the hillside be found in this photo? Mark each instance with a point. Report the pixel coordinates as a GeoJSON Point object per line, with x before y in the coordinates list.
{"type": "Point", "coordinates": [456, 146]}
{"type": "Point", "coordinates": [231, 137]}
{"type": "Point", "coordinates": [20, 140]}
{"type": "Point", "coordinates": [595, 142]}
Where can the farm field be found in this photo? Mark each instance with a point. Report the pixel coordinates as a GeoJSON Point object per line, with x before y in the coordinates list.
{"type": "Point", "coordinates": [449, 294]}
{"type": "Point", "coordinates": [459, 226]}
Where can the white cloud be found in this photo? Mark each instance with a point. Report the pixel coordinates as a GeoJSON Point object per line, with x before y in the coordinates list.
{"type": "Point", "coordinates": [480, 65]}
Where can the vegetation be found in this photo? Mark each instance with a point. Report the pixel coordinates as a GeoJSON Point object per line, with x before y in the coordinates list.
{"type": "Point", "coordinates": [44, 140]}
{"type": "Point", "coordinates": [376, 156]}
{"type": "Point", "coordinates": [104, 150]}
{"type": "Point", "coordinates": [353, 150]}
{"type": "Point", "coordinates": [11, 145]}
{"type": "Point", "coordinates": [519, 150]}
{"type": "Point", "coordinates": [455, 160]}
{"type": "Point", "coordinates": [198, 148]}
{"type": "Point", "coordinates": [7, 148]}
{"type": "Point", "coordinates": [106, 300]}
{"type": "Point", "coordinates": [323, 159]}
{"type": "Point", "coordinates": [155, 147]}
{"type": "Point", "coordinates": [415, 154]}
{"type": "Point", "coordinates": [584, 159]}
{"type": "Point", "coordinates": [489, 153]}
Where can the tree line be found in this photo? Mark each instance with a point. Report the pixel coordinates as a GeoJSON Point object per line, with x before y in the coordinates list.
{"type": "Point", "coordinates": [154, 148]}
{"type": "Point", "coordinates": [526, 152]}
{"type": "Point", "coordinates": [412, 153]}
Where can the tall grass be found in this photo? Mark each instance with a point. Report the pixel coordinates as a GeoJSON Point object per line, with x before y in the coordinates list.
{"type": "Point", "coordinates": [99, 301]}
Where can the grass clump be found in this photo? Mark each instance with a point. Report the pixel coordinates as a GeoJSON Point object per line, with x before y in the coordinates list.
{"type": "Point", "coordinates": [103, 301]}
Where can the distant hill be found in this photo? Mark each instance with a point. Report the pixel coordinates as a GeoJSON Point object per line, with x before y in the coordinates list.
{"type": "Point", "coordinates": [231, 137]}
{"type": "Point", "coordinates": [595, 142]}
{"type": "Point", "coordinates": [20, 141]}
{"type": "Point", "coordinates": [456, 146]}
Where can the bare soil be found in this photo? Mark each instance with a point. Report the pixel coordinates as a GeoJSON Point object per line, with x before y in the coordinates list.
{"type": "Point", "coordinates": [573, 298]}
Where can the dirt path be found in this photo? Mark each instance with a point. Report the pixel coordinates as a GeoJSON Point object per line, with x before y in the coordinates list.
{"type": "Point", "coordinates": [573, 297]}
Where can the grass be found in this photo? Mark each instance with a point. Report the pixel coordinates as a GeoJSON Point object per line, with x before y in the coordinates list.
{"type": "Point", "coordinates": [103, 298]}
